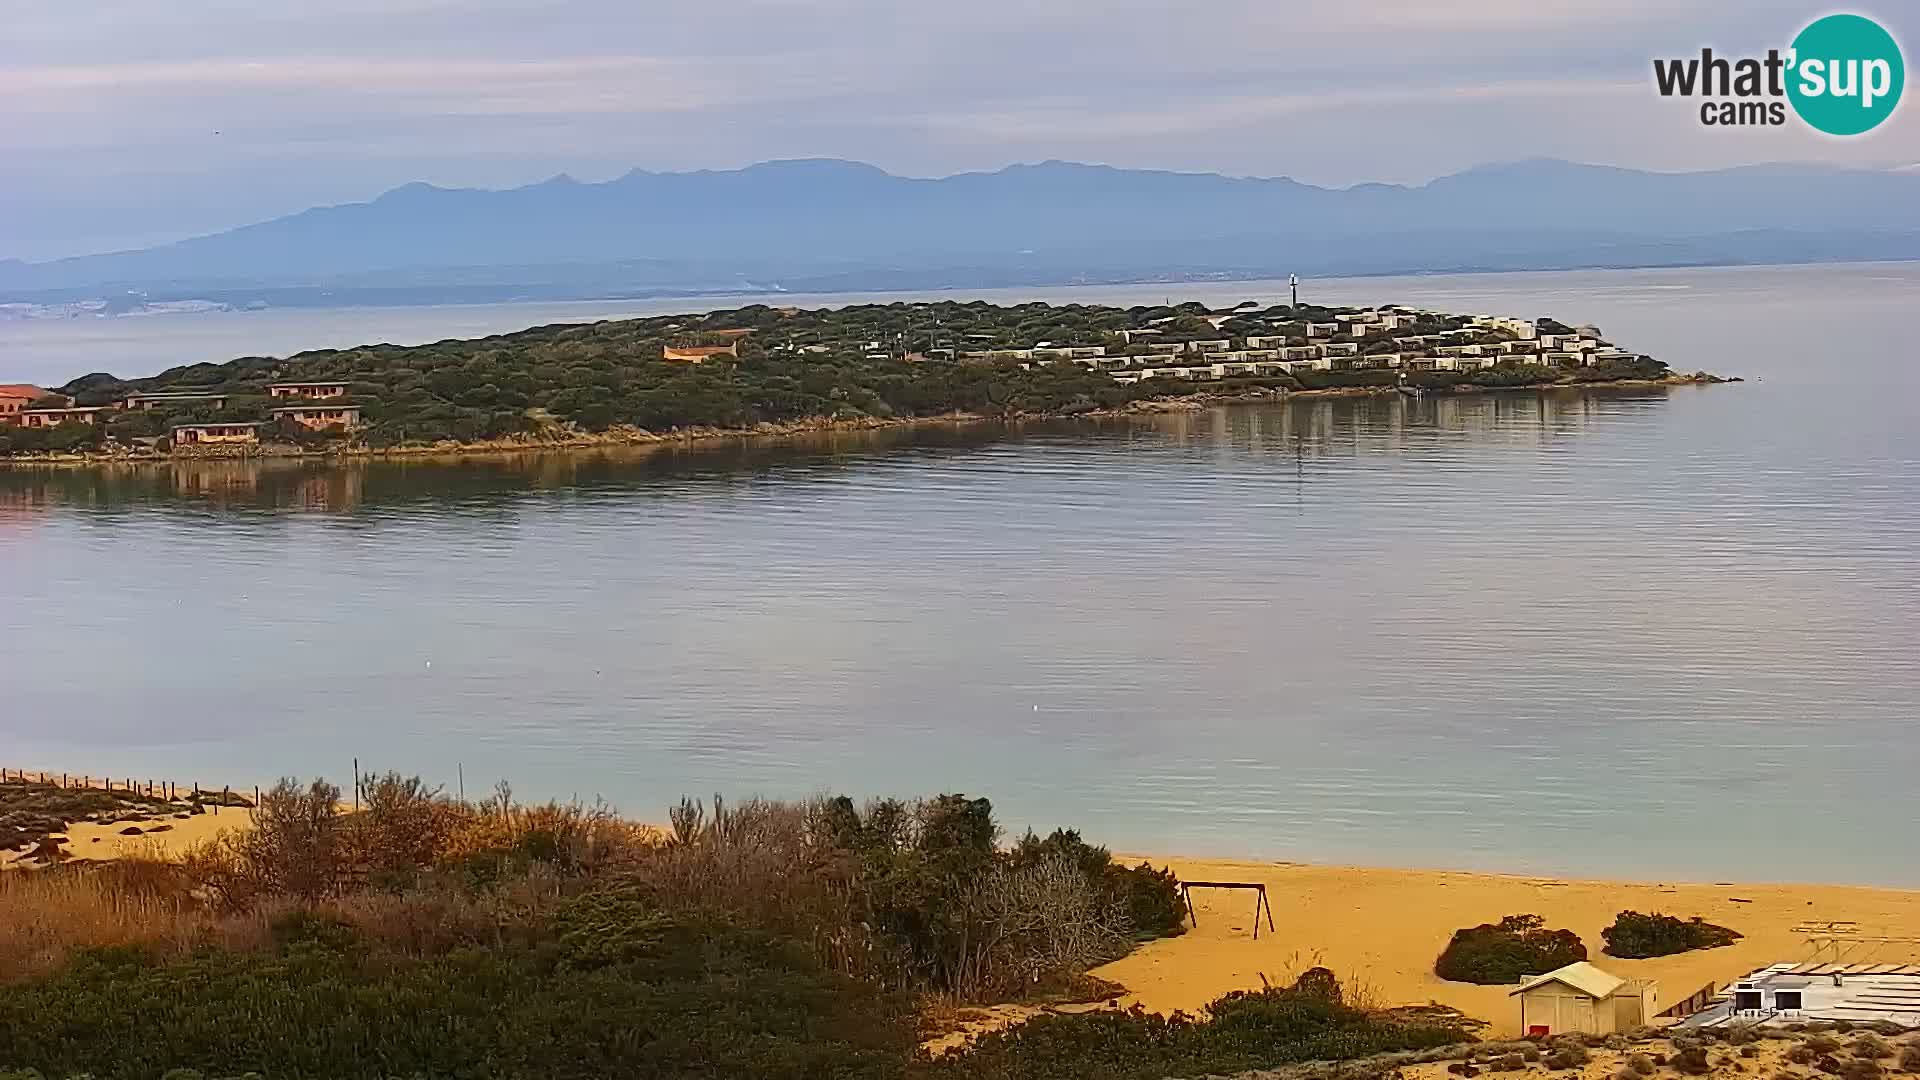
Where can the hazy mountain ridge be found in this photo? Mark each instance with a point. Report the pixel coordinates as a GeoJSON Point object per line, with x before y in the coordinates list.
{"type": "Point", "coordinates": [795, 223]}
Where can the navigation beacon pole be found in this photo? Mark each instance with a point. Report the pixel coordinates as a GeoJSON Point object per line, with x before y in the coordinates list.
{"type": "Point", "coordinates": [1294, 283]}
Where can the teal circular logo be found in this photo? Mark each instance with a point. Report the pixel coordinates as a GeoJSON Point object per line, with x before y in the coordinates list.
{"type": "Point", "coordinates": [1847, 74]}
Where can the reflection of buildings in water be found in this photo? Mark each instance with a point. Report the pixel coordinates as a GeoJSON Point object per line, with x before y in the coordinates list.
{"type": "Point", "coordinates": [331, 490]}
{"type": "Point", "coordinates": [22, 507]}
{"type": "Point", "coordinates": [328, 488]}
{"type": "Point", "coordinates": [29, 499]}
{"type": "Point", "coordinates": [211, 479]}
{"type": "Point", "coordinates": [1351, 425]}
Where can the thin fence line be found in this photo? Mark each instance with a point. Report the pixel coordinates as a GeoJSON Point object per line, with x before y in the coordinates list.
{"type": "Point", "coordinates": [170, 790]}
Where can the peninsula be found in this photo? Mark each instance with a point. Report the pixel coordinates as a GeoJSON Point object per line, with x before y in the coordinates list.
{"type": "Point", "coordinates": [760, 368]}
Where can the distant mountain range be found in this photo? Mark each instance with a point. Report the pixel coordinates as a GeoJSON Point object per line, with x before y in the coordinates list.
{"type": "Point", "coordinates": [818, 225]}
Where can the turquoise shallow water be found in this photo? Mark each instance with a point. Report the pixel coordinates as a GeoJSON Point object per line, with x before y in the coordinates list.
{"type": "Point", "coordinates": [1654, 633]}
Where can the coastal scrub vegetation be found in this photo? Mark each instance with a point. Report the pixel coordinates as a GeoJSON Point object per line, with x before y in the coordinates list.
{"type": "Point", "coordinates": [1635, 936]}
{"type": "Point", "coordinates": [1307, 1021]}
{"type": "Point", "coordinates": [784, 366]}
{"type": "Point", "coordinates": [1508, 951]}
{"type": "Point", "coordinates": [426, 935]}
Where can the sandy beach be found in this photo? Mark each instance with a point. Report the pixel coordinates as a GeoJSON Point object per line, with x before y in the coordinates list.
{"type": "Point", "coordinates": [94, 841]}
{"type": "Point", "coordinates": [1380, 930]}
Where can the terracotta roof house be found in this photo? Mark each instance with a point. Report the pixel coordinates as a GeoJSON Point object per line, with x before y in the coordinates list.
{"type": "Point", "coordinates": [695, 354]}
{"type": "Point", "coordinates": [15, 397]}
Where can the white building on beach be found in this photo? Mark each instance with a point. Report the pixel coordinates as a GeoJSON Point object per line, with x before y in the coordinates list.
{"type": "Point", "coordinates": [1788, 993]}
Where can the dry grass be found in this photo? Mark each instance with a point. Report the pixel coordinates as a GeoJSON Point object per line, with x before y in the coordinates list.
{"type": "Point", "coordinates": [303, 844]}
{"type": "Point", "coordinates": [574, 835]}
{"type": "Point", "coordinates": [45, 914]}
{"type": "Point", "coordinates": [402, 872]}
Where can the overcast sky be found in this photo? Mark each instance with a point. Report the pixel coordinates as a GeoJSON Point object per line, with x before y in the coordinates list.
{"type": "Point", "coordinates": [127, 122]}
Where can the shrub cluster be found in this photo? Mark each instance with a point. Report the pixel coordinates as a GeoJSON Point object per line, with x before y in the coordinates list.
{"type": "Point", "coordinates": [957, 914]}
{"type": "Point", "coordinates": [1245, 1030]}
{"type": "Point", "coordinates": [1150, 897]}
{"type": "Point", "coordinates": [1507, 951]}
{"type": "Point", "coordinates": [1636, 936]}
{"type": "Point", "coordinates": [304, 845]}
{"type": "Point", "coordinates": [605, 986]}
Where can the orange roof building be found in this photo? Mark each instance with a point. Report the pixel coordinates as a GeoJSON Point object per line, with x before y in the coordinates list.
{"type": "Point", "coordinates": [16, 397]}
{"type": "Point", "coordinates": [695, 354]}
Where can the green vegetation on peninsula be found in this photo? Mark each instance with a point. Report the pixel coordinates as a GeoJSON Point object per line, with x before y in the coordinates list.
{"type": "Point", "coordinates": [757, 367]}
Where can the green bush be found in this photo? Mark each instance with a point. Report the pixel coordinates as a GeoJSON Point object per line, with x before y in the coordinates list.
{"type": "Point", "coordinates": [1567, 1053]}
{"type": "Point", "coordinates": [945, 909]}
{"type": "Point", "coordinates": [1149, 897]}
{"type": "Point", "coordinates": [1861, 1069]}
{"type": "Point", "coordinates": [1870, 1045]}
{"type": "Point", "coordinates": [607, 987]}
{"type": "Point", "coordinates": [1241, 1031]}
{"type": "Point", "coordinates": [1692, 1061]}
{"type": "Point", "coordinates": [1635, 936]}
{"type": "Point", "coordinates": [1507, 951]}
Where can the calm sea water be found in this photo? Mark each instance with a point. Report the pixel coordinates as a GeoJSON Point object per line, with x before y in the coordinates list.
{"type": "Point", "coordinates": [1651, 633]}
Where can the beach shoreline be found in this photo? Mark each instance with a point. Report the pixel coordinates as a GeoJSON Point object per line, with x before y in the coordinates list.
{"type": "Point", "coordinates": [624, 437]}
{"type": "Point", "coordinates": [1380, 929]}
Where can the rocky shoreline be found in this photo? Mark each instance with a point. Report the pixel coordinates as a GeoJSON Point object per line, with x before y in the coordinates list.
{"type": "Point", "coordinates": [626, 436]}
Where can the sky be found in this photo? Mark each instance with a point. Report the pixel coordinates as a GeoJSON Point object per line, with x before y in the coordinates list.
{"type": "Point", "coordinates": [127, 122]}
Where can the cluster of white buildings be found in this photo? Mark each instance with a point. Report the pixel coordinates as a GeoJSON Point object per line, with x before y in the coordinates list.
{"type": "Point", "coordinates": [1351, 342]}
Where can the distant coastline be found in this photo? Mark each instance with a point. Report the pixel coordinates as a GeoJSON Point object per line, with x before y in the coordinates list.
{"type": "Point", "coordinates": [251, 302]}
{"type": "Point", "coordinates": [825, 225]}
